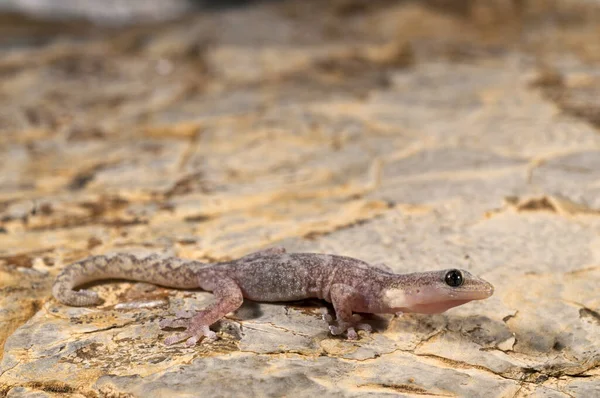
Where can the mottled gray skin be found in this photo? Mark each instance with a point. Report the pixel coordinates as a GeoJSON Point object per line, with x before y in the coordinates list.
{"type": "Point", "coordinates": [272, 275]}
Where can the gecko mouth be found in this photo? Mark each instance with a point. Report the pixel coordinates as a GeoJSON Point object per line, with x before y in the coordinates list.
{"type": "Point", "coordinates": [483, 293]}
{"type": "Point", "coordinates": [458, 296]}
{"type": "Point", "coordinates": [436, 308]}
{"type": "Point", "coordinates": [479, 294]}
{"type": "Point", "coordinates": [453, 299]}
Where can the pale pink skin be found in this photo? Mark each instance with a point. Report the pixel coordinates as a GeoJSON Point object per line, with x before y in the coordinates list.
{"type": "Point", "coordinates": [271, 275]}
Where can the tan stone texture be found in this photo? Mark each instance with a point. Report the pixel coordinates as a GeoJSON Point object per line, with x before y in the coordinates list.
{"type": "Point", "coordinates": [424, 135]}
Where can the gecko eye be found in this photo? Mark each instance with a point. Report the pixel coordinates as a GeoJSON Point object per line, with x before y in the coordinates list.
{"type": "Point", "coordinates": [454, 278]}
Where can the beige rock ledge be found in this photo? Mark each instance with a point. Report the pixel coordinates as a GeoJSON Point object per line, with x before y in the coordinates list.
{"type": "Point", "coordinates": [408, 134]}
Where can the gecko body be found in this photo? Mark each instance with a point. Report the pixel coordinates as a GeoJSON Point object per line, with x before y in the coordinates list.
{"type": "Point", "coordinates": [273, 275]}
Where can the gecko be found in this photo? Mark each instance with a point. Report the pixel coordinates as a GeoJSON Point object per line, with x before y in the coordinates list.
{"type": "Point", "coordinates": [273, 275]}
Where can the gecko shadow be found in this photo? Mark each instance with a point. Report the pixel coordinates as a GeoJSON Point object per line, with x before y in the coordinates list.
{"type": "Point", "coordinates": [482, 330]}
{"type": "Point", "coordinates": [251, 310]}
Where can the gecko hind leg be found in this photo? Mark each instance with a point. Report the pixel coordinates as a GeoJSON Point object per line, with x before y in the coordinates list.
{"type": "Point", "coordinates": [228, 298]}
{"type": "Point", "coordinates": [343, 298]}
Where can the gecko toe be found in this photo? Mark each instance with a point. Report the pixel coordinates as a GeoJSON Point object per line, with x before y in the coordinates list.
{"type": "Point", "coordinates": [335, 330]}
{"type": "Point", "coordinates": [176, 338]}
{"type": "Point", "coordinates": [204, 330]}
{"type": "Point", "coordinates": [192, 341]}
{"type": "Point", "coordinates": [352, 335]}
{"type": "Point", "coordinates": [350, 328]}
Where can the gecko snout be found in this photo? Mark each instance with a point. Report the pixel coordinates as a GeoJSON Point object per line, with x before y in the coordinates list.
{"type": "Point", "coordinates": [488, 288]}
{"type": "Point", "coordinates": [464, 285]}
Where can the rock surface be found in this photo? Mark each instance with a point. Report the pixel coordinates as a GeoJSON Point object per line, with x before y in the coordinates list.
{"type": "Point", "coordinates": [419, 136]}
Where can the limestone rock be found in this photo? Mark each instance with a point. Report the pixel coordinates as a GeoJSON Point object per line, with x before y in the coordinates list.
{"type": "Point", "coordinates": [401, 133]}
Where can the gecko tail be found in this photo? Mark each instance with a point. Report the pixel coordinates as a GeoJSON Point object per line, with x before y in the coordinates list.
{"type": "Point", "coordinates": [153, 269]}
{"type": "Point", "coordinates": [81, 272]}
{"type": "Point", "coordinates": [80, 298]}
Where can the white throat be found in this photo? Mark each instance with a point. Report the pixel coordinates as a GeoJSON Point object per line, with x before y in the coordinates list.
{"type": "Point", "coordinates": [395, 298]}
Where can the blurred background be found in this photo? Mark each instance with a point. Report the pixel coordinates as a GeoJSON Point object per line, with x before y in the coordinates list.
{"type": "Point", "coordinates": [532, 22]}
{"type": "Point", "coordinates": [159, 101]}
{"type": "Point", "coordinates": [84, 78]}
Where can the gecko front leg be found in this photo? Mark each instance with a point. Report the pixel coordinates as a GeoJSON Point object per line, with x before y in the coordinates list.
{"type": "Point", "coordinates": [228, 298]}
{"type": "Point", "coordinates": [344, 298]}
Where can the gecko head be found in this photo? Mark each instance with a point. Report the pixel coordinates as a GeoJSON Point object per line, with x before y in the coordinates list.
{"type": "Point", "coordinates": [437, 291]}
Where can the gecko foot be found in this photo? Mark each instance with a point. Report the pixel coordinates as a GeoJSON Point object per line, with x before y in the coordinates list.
{"type": "Point", "coordinates": [349, 327]}
{"type": "Point", "coordinates": [194, 332]}
{"type": "Point", "coordinates": [191, 336]}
